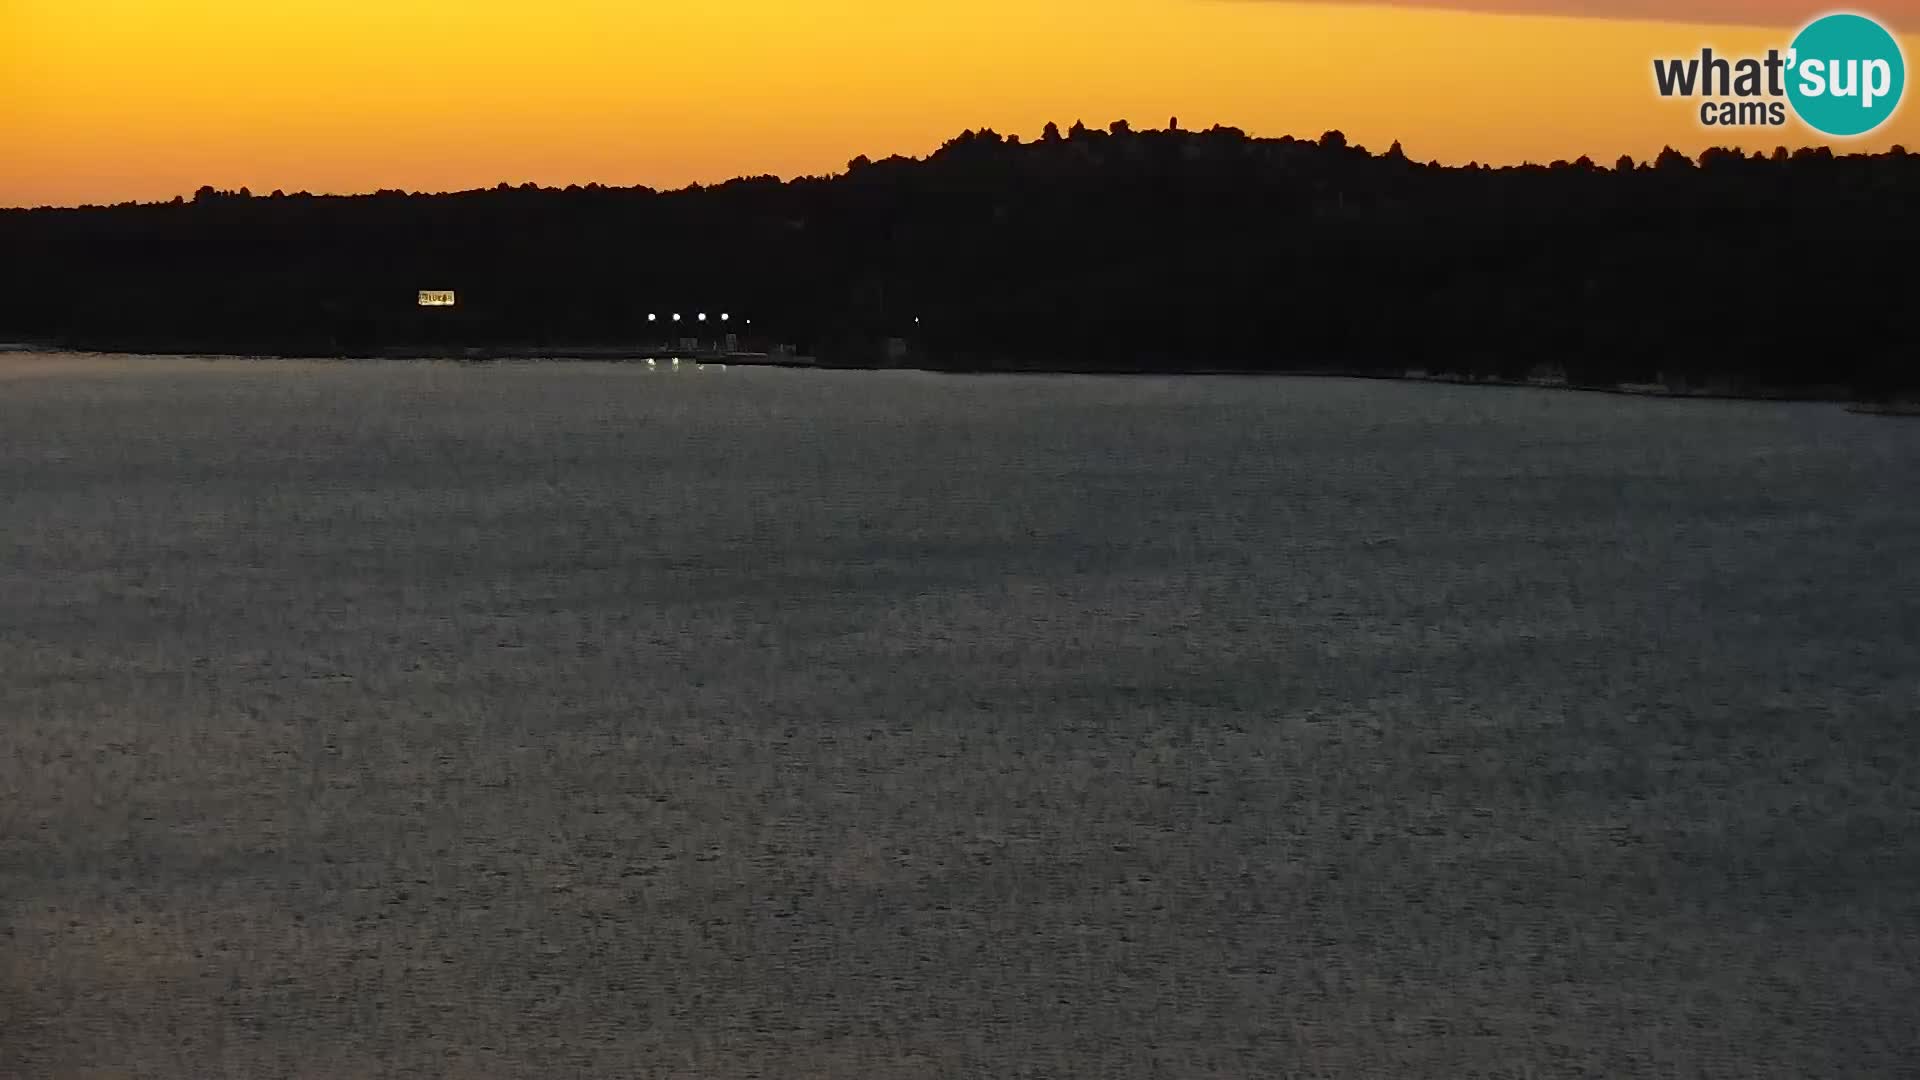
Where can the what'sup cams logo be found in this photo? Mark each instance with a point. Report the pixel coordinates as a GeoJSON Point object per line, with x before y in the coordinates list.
{"type": "Point", "coordinates": [1843, 76]}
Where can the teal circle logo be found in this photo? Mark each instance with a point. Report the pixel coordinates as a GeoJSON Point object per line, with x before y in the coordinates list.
{"type": "Point", "coordinates": [1845, 75]}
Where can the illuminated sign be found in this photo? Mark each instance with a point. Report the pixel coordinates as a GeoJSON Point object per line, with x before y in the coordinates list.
{"type": "Point", "coordinates": [435, 299]}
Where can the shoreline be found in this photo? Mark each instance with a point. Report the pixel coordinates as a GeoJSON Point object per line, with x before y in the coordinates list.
{"type": "Point", "coordinates": [1830, 395]}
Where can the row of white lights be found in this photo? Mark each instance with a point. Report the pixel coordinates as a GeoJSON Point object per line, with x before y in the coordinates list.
{"type": "Point", "coordinates": [654, 317]}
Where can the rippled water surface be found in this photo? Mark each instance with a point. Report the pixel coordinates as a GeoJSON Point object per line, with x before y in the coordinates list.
{"type": "Point", "coordinates": [365, 719]}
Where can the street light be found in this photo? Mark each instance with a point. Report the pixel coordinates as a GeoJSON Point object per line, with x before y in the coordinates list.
{"type": "Point", "coordinates": [676, 316]}
{"type": "Point", "coordinates": [703, 316]}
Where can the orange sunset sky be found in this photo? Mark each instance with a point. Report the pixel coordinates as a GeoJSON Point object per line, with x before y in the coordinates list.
{"type": "Point", "coordinates": [108, 100]}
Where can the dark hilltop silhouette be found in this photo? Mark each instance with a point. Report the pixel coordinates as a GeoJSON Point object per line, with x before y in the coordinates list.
{"type": "Point", "coordinates": [1104, 250]}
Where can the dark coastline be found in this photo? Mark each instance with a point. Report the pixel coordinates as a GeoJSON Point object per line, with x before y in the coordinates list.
{"type": "Point", "coordinates": [1740, 274]}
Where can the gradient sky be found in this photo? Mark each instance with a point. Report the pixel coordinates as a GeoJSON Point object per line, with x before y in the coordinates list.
{"type": "Point", "coordinates": [106, 100]}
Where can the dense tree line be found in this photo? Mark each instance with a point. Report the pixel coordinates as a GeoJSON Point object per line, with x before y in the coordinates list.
{"type": "Point", "coordinates": [1112, 249]}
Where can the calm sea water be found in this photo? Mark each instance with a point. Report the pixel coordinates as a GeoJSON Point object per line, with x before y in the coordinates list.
{"type": "Point", "coordinates": [414, 719]}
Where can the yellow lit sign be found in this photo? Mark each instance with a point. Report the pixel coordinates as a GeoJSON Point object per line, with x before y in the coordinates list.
{"type": "Point", "coordinates": [435, 299]}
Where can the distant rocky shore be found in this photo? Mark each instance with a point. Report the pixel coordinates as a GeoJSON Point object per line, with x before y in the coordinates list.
{"type": "Point", "coordinates": [1122, 250]}
{"type": "Point", "coordinates": [1544, 377]}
